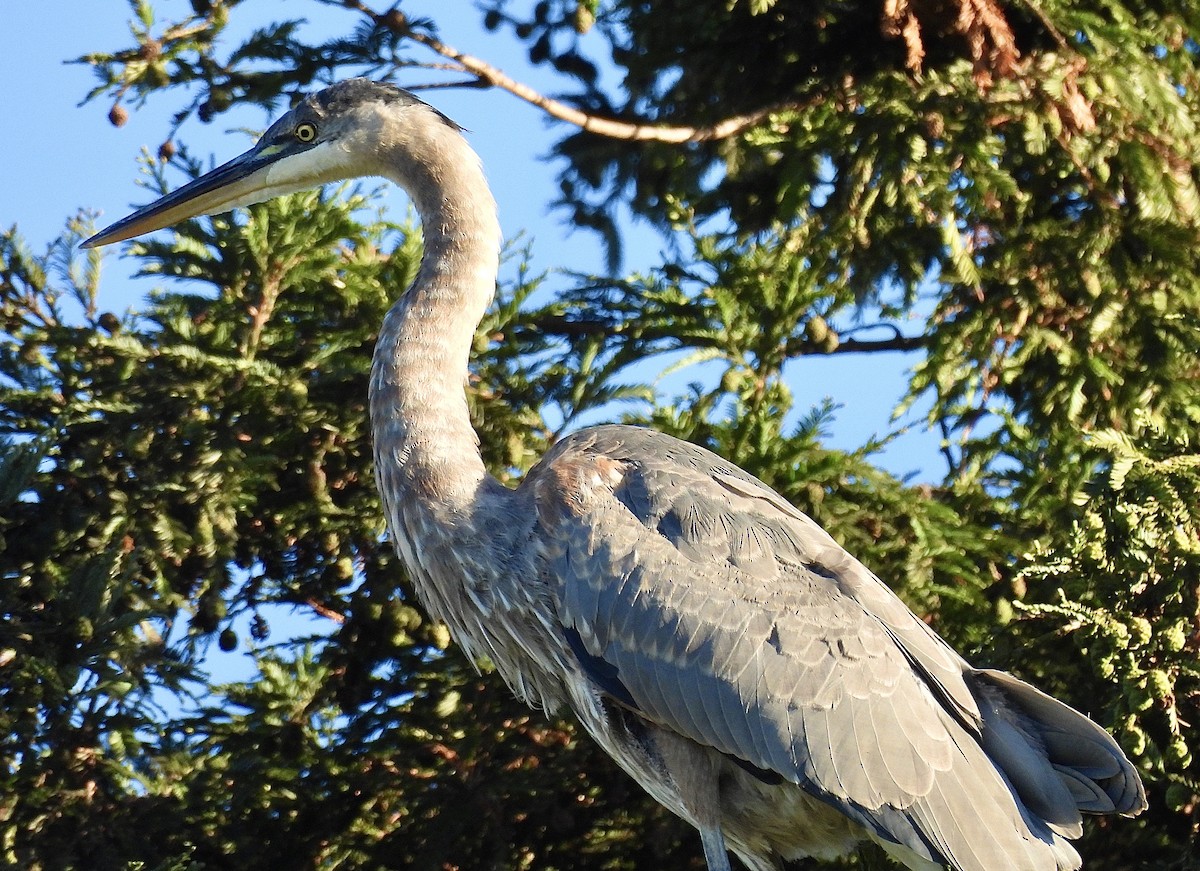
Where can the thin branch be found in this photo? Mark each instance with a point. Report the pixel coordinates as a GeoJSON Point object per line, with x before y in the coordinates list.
{"type": "Point", "coordinates": [611, 127]}
{"type": "Point", "coordinates": [952, 467]}
{"type": "Point", "coordinates": [325, 611]}
{"type": "Point", "coordinates": [856, 346]}
{"type": "Point", "coordinates": [576, 327]}
{"type": "Point", "coordinates": [1049, 25]}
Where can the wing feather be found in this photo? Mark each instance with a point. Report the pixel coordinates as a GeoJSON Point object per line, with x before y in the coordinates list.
{"type": "Point", "coordinates": [695, 644]}
{"type": "Point", "coordinates": [734, 620]}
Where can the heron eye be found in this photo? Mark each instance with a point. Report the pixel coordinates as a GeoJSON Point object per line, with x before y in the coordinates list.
{"type": "Point", "coordinates": [305, 132]}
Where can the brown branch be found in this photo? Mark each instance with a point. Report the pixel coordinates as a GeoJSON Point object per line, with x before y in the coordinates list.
{"type": "Point", "coordinates": [325, 611]}
{"type": "Point", "coordinates": [613, 128]}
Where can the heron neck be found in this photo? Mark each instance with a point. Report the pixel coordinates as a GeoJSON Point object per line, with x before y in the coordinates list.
{"type": "Point", "coordinates": [425, 447]}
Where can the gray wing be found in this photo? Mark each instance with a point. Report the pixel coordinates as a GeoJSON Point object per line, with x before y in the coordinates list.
{"type": "Point", "coordinates": [715, 609]}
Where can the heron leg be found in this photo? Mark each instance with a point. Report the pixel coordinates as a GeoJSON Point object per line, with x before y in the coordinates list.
{"type": "Point", "coordinates": [694, 771]}
{"type": "Point", "coordinates": [715, 853]}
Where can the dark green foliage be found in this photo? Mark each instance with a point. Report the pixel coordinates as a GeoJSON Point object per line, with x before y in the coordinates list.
{"type": "Point", "coordinates": [1006, 194]}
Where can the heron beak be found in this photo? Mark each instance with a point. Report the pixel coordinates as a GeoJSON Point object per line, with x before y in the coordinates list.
{"type": "Point", "coordinates": [240, 182]}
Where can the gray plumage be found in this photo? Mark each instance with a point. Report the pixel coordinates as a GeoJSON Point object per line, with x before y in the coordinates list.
{"type": "Point", "coordinates": [754, 677]}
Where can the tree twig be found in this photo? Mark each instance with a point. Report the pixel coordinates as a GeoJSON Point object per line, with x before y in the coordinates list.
{"type": "Point", "coordinates": [325, 611]}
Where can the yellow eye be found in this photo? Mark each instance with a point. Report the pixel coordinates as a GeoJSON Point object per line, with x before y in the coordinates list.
{"type": "Point", "coordinates": [305, 132]}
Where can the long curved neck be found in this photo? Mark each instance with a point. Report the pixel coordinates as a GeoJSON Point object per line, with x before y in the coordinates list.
{"type": "Point", "coordinates": [425, 447]}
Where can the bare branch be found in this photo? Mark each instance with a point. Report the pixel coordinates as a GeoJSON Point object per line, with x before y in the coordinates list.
{"type": "Point", "coordinates": [946, 450]}
{"type": "Point", "coordinates": [325, 611]}
{"type": "Point", "coordinates": [613, 128]}
{"type": "Point", "coordinates": [860, 346]}
{"type": "Point", "coordinates": [572, 327]}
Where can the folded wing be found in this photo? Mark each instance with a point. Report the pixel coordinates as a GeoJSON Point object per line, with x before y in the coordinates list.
{"type": "Point", "coordinates": [697, 596]}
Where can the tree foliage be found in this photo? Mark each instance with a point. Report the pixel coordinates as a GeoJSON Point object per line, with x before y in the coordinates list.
{"type": "Point", "coordinates": [1121, 589]}
{"type": "Point", "coordinates": [1004, 192]}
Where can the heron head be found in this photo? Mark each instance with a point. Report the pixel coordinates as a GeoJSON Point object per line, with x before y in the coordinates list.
{"type": "Point", "coordinates": [331, 135]}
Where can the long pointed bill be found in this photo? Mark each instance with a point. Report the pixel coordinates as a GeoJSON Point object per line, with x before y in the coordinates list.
{"type": "Point", "coordinates": [240, 182]}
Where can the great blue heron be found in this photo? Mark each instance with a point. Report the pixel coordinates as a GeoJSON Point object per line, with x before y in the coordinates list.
{"type": "Point", "coordinates": [748, 672]}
